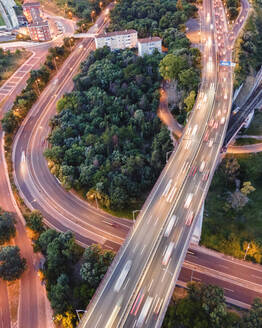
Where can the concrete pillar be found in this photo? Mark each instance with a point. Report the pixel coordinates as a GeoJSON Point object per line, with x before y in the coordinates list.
{"type": "Point", "coordinates": [198, 227]}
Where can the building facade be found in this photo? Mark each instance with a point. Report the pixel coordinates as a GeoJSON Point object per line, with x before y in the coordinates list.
{"type": "Point", "coordinates": [148, 45]}
{"type": "Point", "coordinates": [117, 40]}
{"type": "Point", "coordinates": [32, 11]}
{"type": "Point", "coordinates": [39, 31]}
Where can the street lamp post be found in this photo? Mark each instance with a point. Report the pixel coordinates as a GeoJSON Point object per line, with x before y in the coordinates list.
{"type": "Point", "coordinates": [82, 25]}
{"type": "Point", "coordinates": [133, 212]}
{"type": "Point", "coordinates": [167, 155]}
{"type": "Point", "coordinates": [248, 246]}
{"type": "Point", "coordinates": [55, 58]}
{"type": "Point", "coordinates": [70, 40]}
{"type": "Point", "coordinates": [92, 15]}
{"type": "Point", "coordinates": [37, 86]}
{"type": "Point", "coordinates": [77, 311]}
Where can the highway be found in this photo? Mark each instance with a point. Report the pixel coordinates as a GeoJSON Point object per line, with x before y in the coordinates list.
{"type": "Point", "coordinates": [64, 211]}
{"type": "Point", "coordinates": [180, 192]}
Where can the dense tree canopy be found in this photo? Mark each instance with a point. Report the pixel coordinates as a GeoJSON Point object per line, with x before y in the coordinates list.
{"type": "Point", "coordinates": [7, 227]}
{"type": "Point", "coordinates": [204, 307]}
{"type": "Point", "coordinates": [96, 262]}
{"type": "Point", "coordinates": [107, 136]}
{"type": "Point", "coordinates": [11, 264]}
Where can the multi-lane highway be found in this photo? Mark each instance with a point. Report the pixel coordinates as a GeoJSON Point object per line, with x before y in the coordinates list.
{"type": "Point", "coordinates": [39, 188]}
{"type": "Point", "coordinates": [155, 250]}
{"type": "Point", "coordinates": [188, 172]}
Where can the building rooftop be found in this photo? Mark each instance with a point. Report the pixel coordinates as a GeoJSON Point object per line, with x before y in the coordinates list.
{"type": "Point", "coordinates": [150, 39]}
{"type": "Point", "coordinates": [125, 32]}
{"type": "Point", "coordinates": [31, 4]}
{"type": "Point", "coordinates": [38, 23]}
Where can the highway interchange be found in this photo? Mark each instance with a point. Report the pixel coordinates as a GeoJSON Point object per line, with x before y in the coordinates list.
{"type": "Point", "coordinates": [42, 191]}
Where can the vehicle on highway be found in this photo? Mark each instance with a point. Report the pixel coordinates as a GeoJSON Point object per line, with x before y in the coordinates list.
{"type": "Point", "coordinates": [170, 225]}
{"type": "Point", "coordinates": [189, 218]}
{"type": "Point", "coordinates": [205, 176]}
{"type": "Point", "coordinates": [211, 122]}
{"type": "Point", "coordinates": [123, 276]}
{"type": "Point", "coordinates": [113, 316]}
{"type": "Point", "coordinates": [188, 200]}
{"type": "Point", "coordinates": [144, 312]}
{"type": "Point", "coordinates": [167, 188]}
{"type": "Point", "coordinates": [206, 136]}
{"type": "Point", "coordinates": [202, 166]}
{"type": "Point", "coordinates": [236, 110]}
{"type": "Point", "coordinates": [215, 126]}
{"type": "Point", "coordinates": [171, 194]}
{"type": "Point", "coordinates": [168, 253]}
{"type": "Point", "coordinates": [211, 141]}
{"type": "Point", "coordinates": [222, 121]}
{"type": "Point", "coordinates": [194, 130]}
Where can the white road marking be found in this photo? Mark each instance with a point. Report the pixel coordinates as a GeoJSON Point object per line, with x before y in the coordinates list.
{"type": "Point", "coordinates": [164, 250]}
{"type": "Point", "coordinates": [126, 283]}
{"type": "Point", "coordinates": [156, 221]}
{"type": "Point", "coordinates": [98, 320]}
{"type": "Point", "coordinates": [229, 289]}
{"type": "Point", "coordinates": [255, 276]}
{"type": "Point", "coordinates": [143, 249]}
{"type": "Point", "coordinates": [223, 266]}
{"type": "Point", "coordinates": [150, 284]}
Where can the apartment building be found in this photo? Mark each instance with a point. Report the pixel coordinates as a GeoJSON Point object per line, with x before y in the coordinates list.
{"type": "Point", "coordinates": [39, 31]}
{"type": "Point", "coordinates": [148, 45]}
{"type": "Point", "coordinates": [117, 40]}
{"type": "Point", "coordinates": [32, 11]}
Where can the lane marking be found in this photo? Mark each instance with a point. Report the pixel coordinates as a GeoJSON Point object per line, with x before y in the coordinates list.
{"type": "Point", "coordinates": [98, 320]}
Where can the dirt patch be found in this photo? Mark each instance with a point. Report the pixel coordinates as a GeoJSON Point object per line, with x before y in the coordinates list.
{"type": "Point", "coordinates": [13, 290]}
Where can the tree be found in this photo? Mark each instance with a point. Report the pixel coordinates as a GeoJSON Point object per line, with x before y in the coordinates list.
{"type": "Point", "coordinates": [254, 317]}
{"type": "Point", "coordinates": [35, 222]}
{"type": "Point", "coordinates": [190, 101]}
{"type": "Point", "coordinates": [247, 188]}
{"type": "Point", "coordinates": [45, 239]}
{"type": "Point", "coordinates": [189, 79]}
{"type": "Point", "coordinates": [231, 168]}
{"type": "Point", "coordinates": [12, 265]}
{"type": "Point", "coordinates": [7, 227]}
{"type": "Point", "coordinates": [237, 199]}
{"type": "Point", "coordinates": [60, 294]}
{"type": "Point", "coordinates": [67, 319]}
{"type": "Point", "coordinates": [171, 65]}
{"type": "Point", "coordinates": [96, 263]}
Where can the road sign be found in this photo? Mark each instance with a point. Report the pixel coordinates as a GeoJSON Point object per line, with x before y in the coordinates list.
{"type": "Point", "coordinates": [227, 63]}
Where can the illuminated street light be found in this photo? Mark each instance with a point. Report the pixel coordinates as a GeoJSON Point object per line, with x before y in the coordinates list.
{"type": "Point", "coordinates": [37, 85]}
{"type": "Point", "coordinates": [82, 25]}
{"type": "Point", "coordinates": [55, 58]}
{"type": "Point", "coordinates": [92, 15]}
{"type": "Point", "coordinates": [133, 212]}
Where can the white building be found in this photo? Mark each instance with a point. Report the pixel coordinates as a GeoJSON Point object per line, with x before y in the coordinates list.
{"type": "Point", "coordinates": [117, 40]}
{"type": "Point", "coordinates": [148, 45]}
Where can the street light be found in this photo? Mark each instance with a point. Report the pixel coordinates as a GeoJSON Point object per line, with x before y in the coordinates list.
{"type": "Point", "coordinates": [167, 155]}
{"type": "Point", "coordinates": [100, 4]}
{"type": "Point", "coordinates": [55, 58]}
{"type": "Point", "coordinates": [82, 25]}
{"type": "Point", "coordinates": [78, 314]}
{"type": "Point", "coordinates": [248, 246]}
{"type": "Point", "coordinates": [133, 212]}
{"type": "Point", "coordinates": [92, 15]}
{"type": "Point", "coordinates": [70, 40]}
{"type": "Point", "coordinates": [37, 85]}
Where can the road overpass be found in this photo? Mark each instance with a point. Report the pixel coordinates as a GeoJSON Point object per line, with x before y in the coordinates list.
{"type": "Point", "coordinates": [177, 196]}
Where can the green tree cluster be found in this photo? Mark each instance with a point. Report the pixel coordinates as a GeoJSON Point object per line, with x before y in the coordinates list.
{"type": "Point", "coordinates": [35, 84]}
{"type": "Point", "coordinates": [70, 273]}
{"type": "Point", "coordinates": [35, 222]}
{"type": "Point", "coordinates": [7, 227]}
{"type": "Point", "coordinates": [12, 265]}
{"type": "Point", "coordinates": [86, 10]}
{"type": "Point", "coordinates": [107, 138]}
{"type": "Point", "coordinates": [233, 8]}
{"type": "Point", "coordinates": [233, 207]}
{"type": "Point", "coordinates": [205, 307]}
{"type": "Point", "coordinates": [249, 47]}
